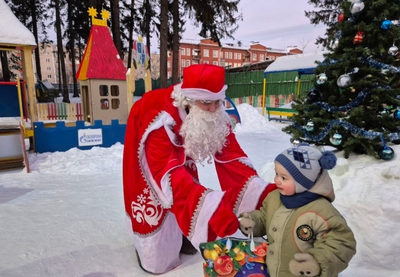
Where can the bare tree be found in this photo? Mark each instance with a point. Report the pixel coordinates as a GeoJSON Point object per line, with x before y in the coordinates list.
{"type": "Point", "coordinates": [163, 42]}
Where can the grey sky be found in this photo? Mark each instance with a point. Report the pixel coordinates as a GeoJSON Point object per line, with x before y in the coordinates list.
{"type": "Point", "coordinates": [275, 24]}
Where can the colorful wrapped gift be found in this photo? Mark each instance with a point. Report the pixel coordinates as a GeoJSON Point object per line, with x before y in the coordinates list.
{"type": "Point", "coordinates": [230, 257]}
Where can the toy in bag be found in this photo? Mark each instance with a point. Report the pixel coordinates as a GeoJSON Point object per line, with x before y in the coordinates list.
{"type": "Point", "coordinates": [230, 257]}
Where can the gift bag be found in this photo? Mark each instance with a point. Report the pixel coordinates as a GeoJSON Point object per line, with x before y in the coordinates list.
{"type": "Point", "coordinates": [230, 257]}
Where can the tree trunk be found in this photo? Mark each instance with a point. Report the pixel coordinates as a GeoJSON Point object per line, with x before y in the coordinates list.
{"type": "Point", "coordinates": [130, 43]}
{"type": "Point", "coordinates": [115, 26]}
{"type": "Point", "coordinates": [175, 44]}
{"type": "Point", "coordinates": [163, 43]}
{"type": "Point", "coordinates": [72, 34]}
{"type": "Point", "coordinates": [4, 66]}
{"type": "Point", "coordinates": [147, 25]}
{"type": "Point", "coordinates": [35, 34]}
{"type": "Point", "coordinates": [61, 55]}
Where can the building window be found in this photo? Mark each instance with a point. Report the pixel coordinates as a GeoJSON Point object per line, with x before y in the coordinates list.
{"type": "Point", "coordinates": [104, 104]}
{"type": "Point", "coordinates": [230, 55]}
{"type": "Point", "coordinates": [187, 62]}
{"type": "Point", "coordinates": [187, 51]}
{"type": "Point", "coordinates": [254, 57]}
{"type": "Point", "coordinates": [47, 60]}
{"type": "Point", "coordinates": [115, 104]}
{"type": "Point", "coordinates": [183, 63]}
{"type": "Point", "coordinates": [103, 90]}
{"type": "Point", "coordinates": [226, 55]}
{"type": "Point", "coordinates": [114, 90]}
{"type": "Point", "coordinates": [221, 55]}
{"type": "Point", "coordinates": [235, 56]}
{"type": "Point", "coordinates": [183, 51]}
{"type": "Point", "coordinates": [239, 56]}
{"type": "Point", "coordinates": [206, 62]}
{"type": "Point", "coordinates": [48, 68]}
{"type": "Point", "coordinates": [215, 63]}
{"type": "Point", "coordinates": [169, 74]}
{"type": "Point", "coordinates": [261, 57]}
{"type": "Point", "coordinates": [49, 76]}
{"type": "Point", "coordinates": [169, 64]}
{"type": "Point", "coordinates": [215, 53]}
{"type": "Point", "coordinates": [206, 53]}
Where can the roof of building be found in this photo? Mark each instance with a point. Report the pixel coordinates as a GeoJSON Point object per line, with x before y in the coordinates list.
{"type": "Point", "coordinates": [101, 59]}
{"type": "Point", "coordinates": [304, 63]}
{"type": "Point", "coordinates": [12, 31]}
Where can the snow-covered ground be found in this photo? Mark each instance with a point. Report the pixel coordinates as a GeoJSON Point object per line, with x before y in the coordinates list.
{"type": "Point", "coordinates": [66, 218]}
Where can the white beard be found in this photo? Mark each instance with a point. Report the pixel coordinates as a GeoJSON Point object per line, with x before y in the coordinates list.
{"type": "Point", "coordinates": [204, 133]}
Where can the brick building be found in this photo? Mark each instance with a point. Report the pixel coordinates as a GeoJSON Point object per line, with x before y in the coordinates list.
{"type": "Point", "coordinates": [227, 55]}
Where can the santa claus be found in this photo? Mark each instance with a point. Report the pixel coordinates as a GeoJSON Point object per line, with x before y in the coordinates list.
{"type": "Point", "coordinates": [169, 132]}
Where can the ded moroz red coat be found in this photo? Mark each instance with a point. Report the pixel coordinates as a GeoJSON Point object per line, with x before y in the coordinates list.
{"type": "Point", "coordinates": [162, 193]}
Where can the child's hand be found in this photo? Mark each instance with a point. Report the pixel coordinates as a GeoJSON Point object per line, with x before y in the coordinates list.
{"type": "Point", "coordinates": [304, 264]}
{"type": "Point", "coordinates": [246, 224]}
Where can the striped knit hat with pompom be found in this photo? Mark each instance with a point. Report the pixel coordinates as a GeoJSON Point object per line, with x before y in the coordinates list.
{"type": "Point", "coordinates": [306, 163]}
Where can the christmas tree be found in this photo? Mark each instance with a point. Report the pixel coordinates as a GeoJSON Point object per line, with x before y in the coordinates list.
{"type": "Point", "coordinates": [354, 104]}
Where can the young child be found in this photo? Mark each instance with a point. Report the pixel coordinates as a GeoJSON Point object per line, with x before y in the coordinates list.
{"type": "Point", "coordinates": [306, 234]}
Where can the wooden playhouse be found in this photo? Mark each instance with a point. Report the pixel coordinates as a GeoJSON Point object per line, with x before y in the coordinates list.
{"type": "Point", "coordinates": [102, 76]}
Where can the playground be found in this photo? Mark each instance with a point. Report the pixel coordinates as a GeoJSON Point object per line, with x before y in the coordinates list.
{"type": "Point", "coordinates": [107, 94]}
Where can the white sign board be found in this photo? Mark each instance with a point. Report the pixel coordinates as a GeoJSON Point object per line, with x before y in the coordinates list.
{"type": "Point", "coordinates": [89, 137]}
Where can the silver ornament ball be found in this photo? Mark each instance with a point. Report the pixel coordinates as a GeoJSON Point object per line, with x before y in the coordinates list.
{"type": "Point", "coordinates": [344, 81]}
{"type": "Point", "coordinates": [393, 50]}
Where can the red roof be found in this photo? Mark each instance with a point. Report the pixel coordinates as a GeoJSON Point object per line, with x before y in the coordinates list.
{"type": "Point", "coordinates": [101, 59]}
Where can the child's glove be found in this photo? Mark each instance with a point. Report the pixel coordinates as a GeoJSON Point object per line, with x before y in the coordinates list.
{"type": "Point", "coordinates": [304, 264]}
{"type": "Point", "coordinates": [246, 224]}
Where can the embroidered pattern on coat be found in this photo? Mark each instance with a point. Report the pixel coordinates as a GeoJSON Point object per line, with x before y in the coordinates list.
{"type": "Point", "coordinates": [146, 209]}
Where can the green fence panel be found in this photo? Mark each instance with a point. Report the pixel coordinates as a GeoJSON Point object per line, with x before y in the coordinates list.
{"type": "Point", "coordinates": [281, 87]}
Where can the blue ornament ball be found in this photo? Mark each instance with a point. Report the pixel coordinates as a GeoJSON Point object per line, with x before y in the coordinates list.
{"type": "Point", "coordinates": [382, 110]}
{"type": "Point", "coordinates": [386, 153]}
{"type": "Point", "coordinates": [386, 25]}
{"type": "Point", "coordinates": [313, 95]}
{"type": "Point", "coordinates": [310, 126]}
{"type": "Point", "coordinates": [336, 139]}
{"type": "Point", "coordinates": [322, 78]}
{"type": "Point", "coordinates": [396, 114]}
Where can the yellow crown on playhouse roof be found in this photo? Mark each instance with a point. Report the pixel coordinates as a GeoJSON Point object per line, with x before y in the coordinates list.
{"type": "Point", "coordinates": [100, 22]}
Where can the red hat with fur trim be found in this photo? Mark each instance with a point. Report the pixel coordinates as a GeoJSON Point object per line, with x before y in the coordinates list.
{"type": "Point", "coordinates": [204, 82]}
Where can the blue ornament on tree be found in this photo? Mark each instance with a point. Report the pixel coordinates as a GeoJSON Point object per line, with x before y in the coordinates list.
{"type": "Point", "coordinates": [386, 153]}
{"type": "Point", "coordinates": [322, 78]}
{"type": "Point", "coordinates": [382, 110]}
{"type": "Point", "coordinates": [396, 114]}
{"type": "Point", "coordinates": [336, 139]}
{"type": "Point", "coordinates": [309, 126]}
{"type": "Point", "coordinates": [313, 95]}
{"type": "Point", "coordinates": [386, 25]}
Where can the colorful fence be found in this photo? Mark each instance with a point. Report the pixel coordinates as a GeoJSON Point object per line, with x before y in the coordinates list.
{"type": "Point", "coordinates": [60, 111]}
{"type": "Point", "coordinates": [63, 138]}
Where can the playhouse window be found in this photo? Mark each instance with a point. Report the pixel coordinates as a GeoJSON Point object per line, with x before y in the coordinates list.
{"type": "Point", "coordinates": [103, 90]}
{"type": "Point", "coordinates": [114, 90]}
{"type": "Point", "coordinates": [104, 104]}
{"type": "Point", "coordinates": [114, 104]}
